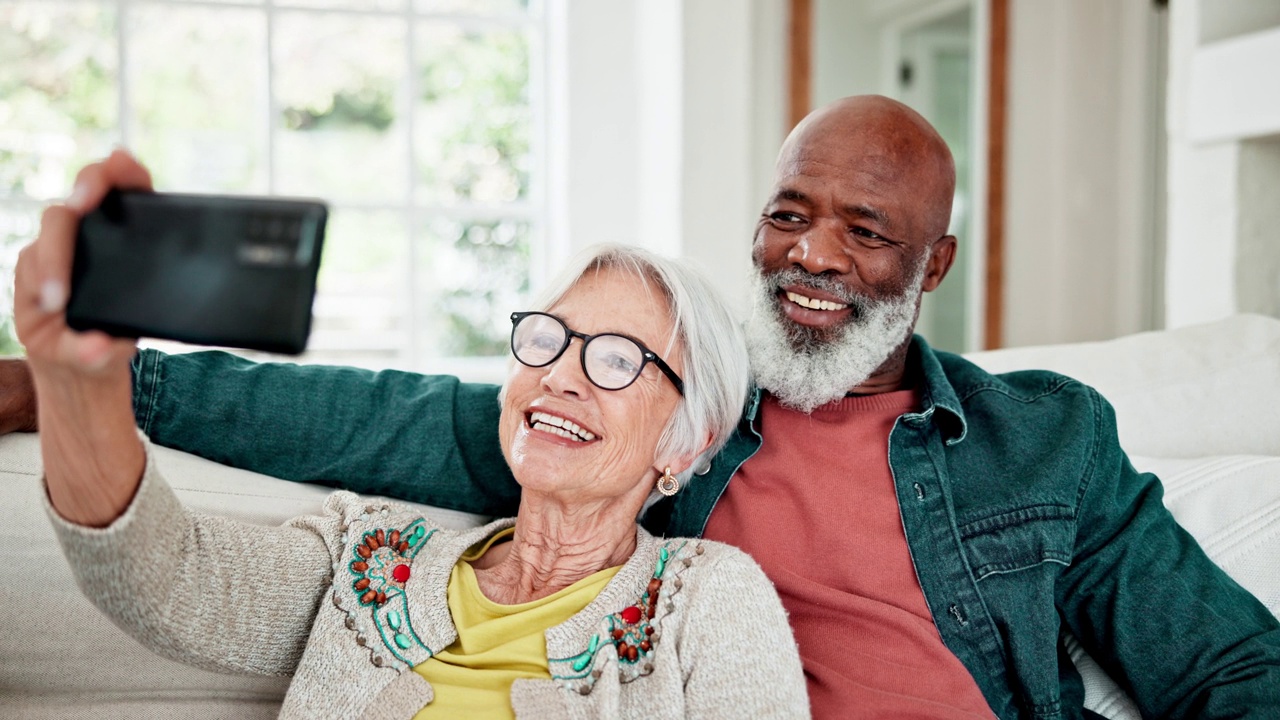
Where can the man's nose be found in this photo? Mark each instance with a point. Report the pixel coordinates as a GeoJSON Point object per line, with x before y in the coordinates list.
{"type": "Point", "coordinates": [822, 249]}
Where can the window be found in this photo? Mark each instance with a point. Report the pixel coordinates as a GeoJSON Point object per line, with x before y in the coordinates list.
{"type": "Point", "coordinates": [419, 121]}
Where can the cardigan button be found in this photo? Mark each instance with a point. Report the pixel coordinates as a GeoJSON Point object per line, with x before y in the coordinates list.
{"type": "Point", "coordinates": [584, 689]}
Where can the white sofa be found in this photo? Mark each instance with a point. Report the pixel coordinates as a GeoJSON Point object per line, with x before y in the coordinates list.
{"type": "Point", "coordinates": [1200, 406]}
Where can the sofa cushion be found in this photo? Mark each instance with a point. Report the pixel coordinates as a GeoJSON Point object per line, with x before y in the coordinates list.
{"type": "Point", "coordinates": [1211, 389]}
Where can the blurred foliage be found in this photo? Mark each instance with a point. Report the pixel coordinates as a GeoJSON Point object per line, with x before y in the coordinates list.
{"type": "Point", "coordinates": [55, 67]}
{"type": "Point", "coordinates": [371, 106]}
{"type": "Point", "coordinates": [9, 345]}
{"type": "Point", "coordinates": [475, 115]}
{"type": "Point", "coordinates": [197, 93]}
{"type": "Point", "coordinates": [475, 94]}
{"type": "Point", "coordinates": [488, 279]}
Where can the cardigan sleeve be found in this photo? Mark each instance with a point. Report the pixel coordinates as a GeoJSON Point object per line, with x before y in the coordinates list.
{"type": "Point", "coordinates": [202, 590]}
{"type": "Point", "coordinates": [734, 668]}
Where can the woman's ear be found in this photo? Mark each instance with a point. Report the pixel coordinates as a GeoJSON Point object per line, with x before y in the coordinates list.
{"type": "Point", "coordinates": [683, 462]}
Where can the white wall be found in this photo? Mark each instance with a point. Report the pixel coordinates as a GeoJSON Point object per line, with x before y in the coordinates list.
{"type": "Point", "coordinates": [1081, 157]}
{"type": "Point", "coordinates": [1224, 171]}
{"type": "Point", "coordinates": [664, 133]}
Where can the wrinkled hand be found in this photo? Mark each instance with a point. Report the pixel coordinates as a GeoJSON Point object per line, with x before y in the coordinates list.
{"type": "Point", "coordinates": [43, 275]}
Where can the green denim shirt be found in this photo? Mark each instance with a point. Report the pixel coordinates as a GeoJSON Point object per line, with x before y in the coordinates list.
{"type": "Point", "coordinates": [1024, 518]}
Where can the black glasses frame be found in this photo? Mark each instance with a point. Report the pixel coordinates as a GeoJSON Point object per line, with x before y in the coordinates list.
{"type": "Point", "coordinates": [648, 355]}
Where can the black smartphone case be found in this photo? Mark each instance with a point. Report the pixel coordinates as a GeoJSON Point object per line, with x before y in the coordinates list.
{"type": "Point", "coordinates": [203, 269]}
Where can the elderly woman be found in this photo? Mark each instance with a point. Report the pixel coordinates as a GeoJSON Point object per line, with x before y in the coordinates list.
{"type": "Point", "coordinates": [630, 371]}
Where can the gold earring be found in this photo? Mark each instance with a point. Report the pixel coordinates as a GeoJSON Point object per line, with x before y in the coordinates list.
{"type": "Point", "coordinates": [668, 484]}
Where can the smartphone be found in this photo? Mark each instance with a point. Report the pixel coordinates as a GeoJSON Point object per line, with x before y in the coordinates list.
{"type": "Point", "coordinates": [204, 269]}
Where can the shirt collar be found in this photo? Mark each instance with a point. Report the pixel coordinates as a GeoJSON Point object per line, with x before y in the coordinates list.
{"type": "Point", "coordinates": [938, 398]}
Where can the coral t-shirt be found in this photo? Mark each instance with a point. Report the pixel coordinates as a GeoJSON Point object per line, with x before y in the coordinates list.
{"type": "Point", "coordinates": [816, 507]}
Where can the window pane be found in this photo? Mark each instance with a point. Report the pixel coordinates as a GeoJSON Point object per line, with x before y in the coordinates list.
{"type": "Point", "coordinates": [197, 77]}
{"type": "Point", "coordinates": [473, 118]}
{"type": "Point", "coordinates": [339, 82]}
{"type": "Point", "coordinates": [19, 223]}
{"type": "Point", "coordinates": [479, 7]}
{"type": "Point", "coordinates": [362, 303]}
{"type": "Point", "coordinates": [471, 276]}
{"type": "Point", "coordinates": [58, 82]}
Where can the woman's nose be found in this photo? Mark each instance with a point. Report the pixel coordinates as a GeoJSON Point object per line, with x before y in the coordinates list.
{"type": "Point", "coordinates": [566, 375]}
{"type": "Point", "coordinates": [821, 249]}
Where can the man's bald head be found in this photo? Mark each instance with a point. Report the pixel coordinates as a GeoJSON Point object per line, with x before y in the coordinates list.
{"type": "Point", "coordinates": [886, 139]}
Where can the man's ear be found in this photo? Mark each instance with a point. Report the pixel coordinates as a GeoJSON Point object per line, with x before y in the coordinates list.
{"type": "Point", "coordinates": [942, 255]}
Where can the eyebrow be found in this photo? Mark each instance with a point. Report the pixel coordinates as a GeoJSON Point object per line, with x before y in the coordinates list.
{"type": "Point", "coordinates": [873, 214]}
{"type": "Point", "coordinates": [792, 195]}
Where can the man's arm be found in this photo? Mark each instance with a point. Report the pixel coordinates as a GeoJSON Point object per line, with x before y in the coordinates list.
{"type": "Point", "coordinates": [17, 397]}
{"type": "Point", "coordinates": [1167, 623]}
{"type": "Point", "coordinates": [425, 438]}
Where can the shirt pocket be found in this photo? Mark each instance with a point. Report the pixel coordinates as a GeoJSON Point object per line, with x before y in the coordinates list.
{"type": "Point", "coordinates": [1019, 539]}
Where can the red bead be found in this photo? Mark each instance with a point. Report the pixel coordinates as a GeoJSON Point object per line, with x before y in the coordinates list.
{"type": "Point", "coordinates": [631, 615]}
{"type": "Point", "coordinates": [400, 573]}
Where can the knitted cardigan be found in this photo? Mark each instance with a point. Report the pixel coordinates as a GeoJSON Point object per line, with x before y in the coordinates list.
{"type": "Point", "coordinates": [350, 600]}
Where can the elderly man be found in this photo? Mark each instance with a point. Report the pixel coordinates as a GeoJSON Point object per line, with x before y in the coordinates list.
{"type": "Point", "coordinates": [934, 531]}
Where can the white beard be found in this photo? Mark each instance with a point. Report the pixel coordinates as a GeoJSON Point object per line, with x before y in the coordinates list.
{"type": "Point", "coordinates": [804, 368]}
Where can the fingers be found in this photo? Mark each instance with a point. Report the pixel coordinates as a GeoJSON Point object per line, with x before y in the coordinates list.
{"type": "Point", "coordinates": [119, 170]}
{"type": "Point", "coordinates": [42, 277]}
{"type": "Point", "coordinates": [43, 274]}
{"type": "Point", "coordinates": [55, 250]}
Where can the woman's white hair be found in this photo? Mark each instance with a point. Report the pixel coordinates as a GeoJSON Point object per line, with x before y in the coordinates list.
{"type": "Point", "coordinates": [709, 338]}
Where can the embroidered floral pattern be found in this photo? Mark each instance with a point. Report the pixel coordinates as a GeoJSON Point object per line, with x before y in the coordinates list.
{"type": "Point", "coordinates": [631, 630]}
{"type": "Point", "coordinates": [381, 563]}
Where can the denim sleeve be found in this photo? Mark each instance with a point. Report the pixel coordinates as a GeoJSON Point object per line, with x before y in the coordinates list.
{"type": "Point", "coordinates": [425, 438]}
{"type": "Point", "coordinates": [1182, 637]}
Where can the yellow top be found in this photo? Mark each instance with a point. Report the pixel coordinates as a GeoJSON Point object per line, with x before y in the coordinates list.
{"type": "Point", "coordinates": [496, 643]}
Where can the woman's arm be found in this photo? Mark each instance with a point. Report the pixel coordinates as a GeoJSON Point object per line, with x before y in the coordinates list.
{"type": "Point", "coordinates": [203, 590]}
{"type": "Point", "coordinates": [93, 459]}
{"type": "Point", "coordinates": [735, 668]}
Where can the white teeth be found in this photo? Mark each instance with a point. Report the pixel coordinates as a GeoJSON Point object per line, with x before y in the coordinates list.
{"type": "Point", "coordinates": [813, 304]}
{"type": "Point", "coordinates": [559, 426]}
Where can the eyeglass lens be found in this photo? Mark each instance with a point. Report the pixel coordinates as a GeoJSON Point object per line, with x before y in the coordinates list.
{"type": "Point", "coordinates": [610, 361]}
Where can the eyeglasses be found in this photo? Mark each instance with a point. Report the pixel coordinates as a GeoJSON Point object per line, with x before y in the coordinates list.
{"type": "Point", "coordinates": [610, 361]}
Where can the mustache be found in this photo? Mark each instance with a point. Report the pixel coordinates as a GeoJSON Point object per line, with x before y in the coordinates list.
{"type": "Point", "coordinates": [775, 281]}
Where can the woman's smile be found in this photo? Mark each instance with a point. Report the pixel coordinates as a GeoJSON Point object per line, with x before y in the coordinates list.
{"type": "Point", "coordinates": [559, 426]}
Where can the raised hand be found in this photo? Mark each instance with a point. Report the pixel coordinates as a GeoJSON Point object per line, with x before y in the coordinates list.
{"type": "Point", "coordinates": [93, 458]}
